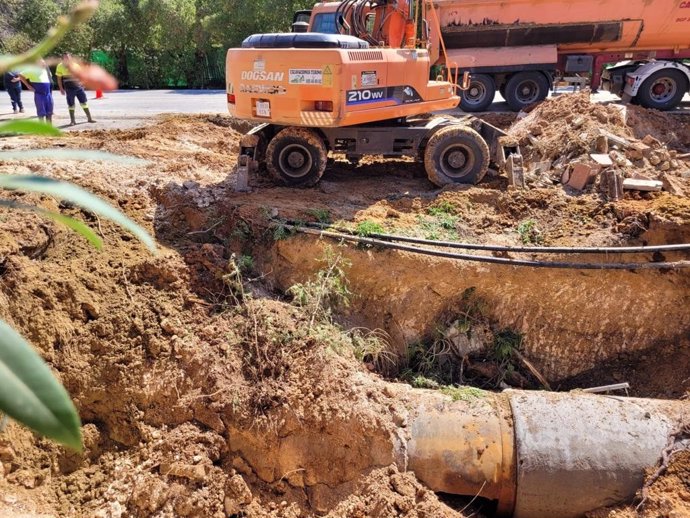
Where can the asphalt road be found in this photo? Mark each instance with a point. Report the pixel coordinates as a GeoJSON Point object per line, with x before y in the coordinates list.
{"type": "Point", "coordinates": [130, 108]}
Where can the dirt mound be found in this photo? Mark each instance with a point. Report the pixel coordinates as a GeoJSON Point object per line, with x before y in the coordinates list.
{"type": "Point", "coordinates": [571, 140]}
{"type": "Point", "coordinates": [565, 127]}
{"type": "Point", "coordinates": [387, 492]}
{"type": "Point", "coordinates": [673, 130]}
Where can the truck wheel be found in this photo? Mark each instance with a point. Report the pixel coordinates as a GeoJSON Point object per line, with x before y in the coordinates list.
{"type": "Point", "coordinates": [663, 90]}
{"type": "Point", "coordinates": [525, 88]}
{"type": "Point", "coordinates": [296, 157]}
{"type": "Point", "coordinates": [479, 96]}
{"type": "Point", "coordinates": [456, 154]}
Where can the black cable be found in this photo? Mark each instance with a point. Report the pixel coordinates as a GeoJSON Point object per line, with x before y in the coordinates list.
{"type": "Point", "coordinates": [491, 259]}
{"type": "Point", "coordinates": [516, 249]}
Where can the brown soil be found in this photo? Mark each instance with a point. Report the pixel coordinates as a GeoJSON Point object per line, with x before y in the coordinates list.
{"type": "Point", "coordinates": [204, 396]}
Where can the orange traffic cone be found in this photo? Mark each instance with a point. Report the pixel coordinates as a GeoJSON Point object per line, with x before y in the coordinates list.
{"type": "Point", "coordinates": [99, 94]}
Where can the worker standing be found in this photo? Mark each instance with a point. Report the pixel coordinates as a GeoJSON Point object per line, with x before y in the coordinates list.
{"type": "Point", "coordinates": [38, 79]}
{"type": "Point", "coordinates": [70, 86]}
{"type": "Point", "coordinates": [13, 86]}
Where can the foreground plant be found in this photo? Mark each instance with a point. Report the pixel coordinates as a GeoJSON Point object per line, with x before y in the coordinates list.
{"type": "Point", "coordinates": [29, 393]}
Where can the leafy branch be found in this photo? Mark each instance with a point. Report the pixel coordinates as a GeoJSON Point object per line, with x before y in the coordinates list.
{"type": "Point", "coordinates": [29, 393]}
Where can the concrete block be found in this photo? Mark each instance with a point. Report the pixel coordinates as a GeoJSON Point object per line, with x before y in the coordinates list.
{"type": "Point", "coordinates": [632, 184]}
{"type": "Point", "coordinates": [637, 151]}
{"type": "Point", "coordinates": [515, 171]}
{"type": "Point", "coordinates": [612, 185]}
{"type": "Point", "coordinates": [602, 159]}
{"type": "Point", "coordinates": [581, 174]}
{"type": "Point", "coordinates": [672, 185]}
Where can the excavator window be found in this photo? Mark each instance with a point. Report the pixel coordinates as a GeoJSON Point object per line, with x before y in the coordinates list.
{"type": "Point", "coordinates": [325, 23]}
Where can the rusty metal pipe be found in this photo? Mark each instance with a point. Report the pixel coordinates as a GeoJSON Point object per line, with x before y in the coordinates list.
{"type": "Point", "coordinates": [539, 454]}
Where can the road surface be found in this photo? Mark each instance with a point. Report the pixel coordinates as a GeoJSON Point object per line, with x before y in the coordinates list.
{"type": "Point", "coordinates": [130, 108]}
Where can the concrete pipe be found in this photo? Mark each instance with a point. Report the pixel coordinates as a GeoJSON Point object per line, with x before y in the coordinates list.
{"type": "Point", "coordinates": [540, 454]}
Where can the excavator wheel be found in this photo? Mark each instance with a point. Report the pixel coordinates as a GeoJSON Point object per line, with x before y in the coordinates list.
{"type": "Point", "coordinates": [456, 154]}
{"type": "Point", "coordinates": [296, 157]}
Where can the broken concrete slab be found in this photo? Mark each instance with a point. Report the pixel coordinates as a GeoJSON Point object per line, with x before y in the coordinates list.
{"type": "Point", "coordinates": [633, 184]}
{"type": "Point", "coordinates": [581, 174]}
{"type": "Point", "coordinates": [614, 139]}
{"type": "Point", "coordinates": [637, 151]}
{"type": "Point", "coordinates": [611, 185]}
{"type": "Point", "coordinates": [603, 160]}
{"type": "Point", "coordinates": [672, 184]}
{"type": "Point", "coordinates": [515, 171]}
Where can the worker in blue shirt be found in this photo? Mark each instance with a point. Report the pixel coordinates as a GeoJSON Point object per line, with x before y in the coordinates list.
{"type": "Point", "coordinates": [13, 85]}
{"type": "Point", "coordinates": [38, 79]}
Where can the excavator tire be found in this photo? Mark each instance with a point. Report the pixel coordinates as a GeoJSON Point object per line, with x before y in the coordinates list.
{"type": "Point", "coordinates": [456, 154]}
{"type": "Point", "coordinates": [296, 157]}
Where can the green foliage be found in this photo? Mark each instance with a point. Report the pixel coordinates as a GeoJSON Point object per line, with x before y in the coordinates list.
{"type": "Point", "coordinates": [464, 393]}
{"type": "Point", "coordinates": [441, 208]}
{"type": "Point", "coordinates": [529, 233]}
{"type": "Point", "coordinates": [441, 226]}
{"type": "Point", "coordinates": [29, 391]}
{"type": "Point", "coordinates": [321, 215]}
{"type": "Point", "coordinates": [152, 43]}
{"type": "Point", "coordinates": [245, 263]}
{"type": "Point", "coordinates": [282, 231]}
{"type": "Point", "coordinates": [31, 394]}
{"type": "Point", "coordinates": [367, 228]}
{"type": "Point", "coordinates": [28, 127]}
{"type": "Point", "coordinates": [505, 344]}
{"type": "Point", "coordinates": [373, 347]}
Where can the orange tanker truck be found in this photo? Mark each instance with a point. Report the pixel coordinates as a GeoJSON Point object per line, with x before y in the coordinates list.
{"type": "Point", "coordinates": [519, 47]}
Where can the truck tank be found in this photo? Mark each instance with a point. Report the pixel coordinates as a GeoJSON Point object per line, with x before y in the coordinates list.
{"type": "Point", "coordinates": [575, 26]}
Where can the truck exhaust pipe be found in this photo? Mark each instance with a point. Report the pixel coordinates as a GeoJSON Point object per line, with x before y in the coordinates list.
{"type": "Point", "coordinates": [540, 454]}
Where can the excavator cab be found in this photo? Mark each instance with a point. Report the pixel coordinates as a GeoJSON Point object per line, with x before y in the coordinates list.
{"type": "Point", "coordinates": [358, 88]}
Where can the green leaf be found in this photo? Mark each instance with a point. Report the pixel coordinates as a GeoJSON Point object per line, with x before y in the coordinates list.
{"type": "Point", "coordinates": [70, 154]}
{"type": "Point", "coordinates": [72, 223]}
{"type": "Point", "coordinates": [30, 393]}
{"type": "Point", "coordinates": [29, 127]}
{"type": "Point", "coordinates": [78, 196]}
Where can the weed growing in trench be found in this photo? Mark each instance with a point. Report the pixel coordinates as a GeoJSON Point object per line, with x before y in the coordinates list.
{"type": "Point", "coordinates": [440, 226]}
{"type": "Point", "coordinates": [327, 291]}
{"type": "Point", "coordinates": [373, 347]}
{"type": "Point", "coordinates": [321, 215]}
{"type": "Point", "coordinates": [367, 228]}
{"type": "Point", "coordinates": [467, 394]}
{"type": "Point", "coordinates": [442, 208]}
{"type": "Point", "coordinates": [282, 231]}
{"type": "Point", "coordinates": [529, 233]}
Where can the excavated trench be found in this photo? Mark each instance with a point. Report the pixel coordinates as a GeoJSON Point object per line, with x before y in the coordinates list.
{"type": "Point", "coordinates": [574, 325]}
{"type": "Point", "coordinates": [587, 329]}
{"type": "Point", "coordinates": [205, 390]}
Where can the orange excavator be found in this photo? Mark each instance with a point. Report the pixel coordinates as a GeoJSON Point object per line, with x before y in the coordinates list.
{"type": "Point", "coordinates": [364, 90]}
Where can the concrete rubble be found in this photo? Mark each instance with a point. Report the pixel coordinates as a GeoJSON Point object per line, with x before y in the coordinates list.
{"type": "Point", "coordinates": [586, 147]}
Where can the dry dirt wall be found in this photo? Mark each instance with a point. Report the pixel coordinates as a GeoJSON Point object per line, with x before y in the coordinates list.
{"type": "Point", "coordinates": [571, 319]}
